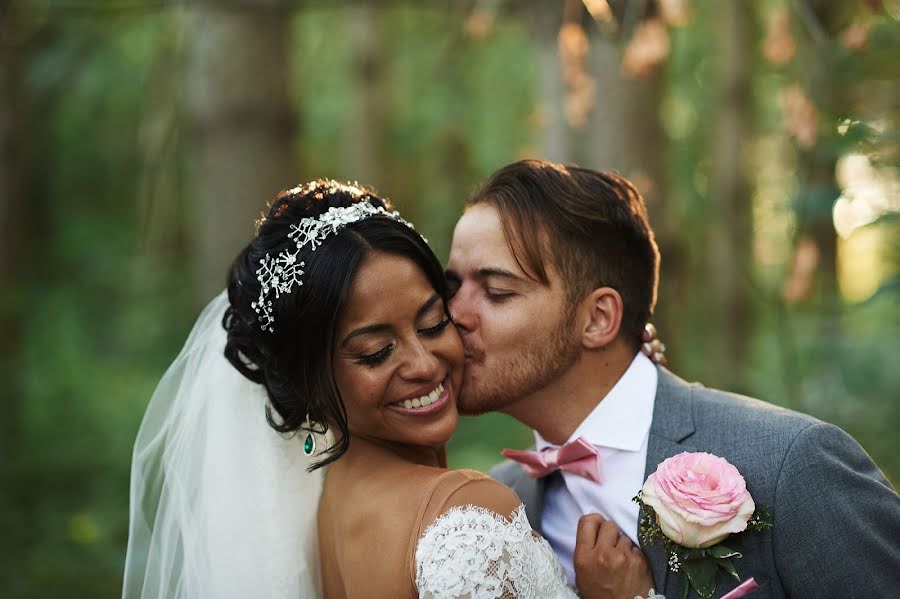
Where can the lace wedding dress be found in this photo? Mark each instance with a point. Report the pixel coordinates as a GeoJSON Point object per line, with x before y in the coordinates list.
{"type": "Point", "coordinates": [472, 553]}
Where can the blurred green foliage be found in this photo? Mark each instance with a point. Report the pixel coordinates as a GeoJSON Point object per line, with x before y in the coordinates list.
{"type": "Point", "coordinates": [103, 298]}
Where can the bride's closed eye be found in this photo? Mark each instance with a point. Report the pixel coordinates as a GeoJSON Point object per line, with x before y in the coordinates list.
{"type": "Point", "coordinates": [436, 329]}
{"type": "Point", "coordinates": [376, 358]}
{"type": "Point", "coordinates": [382, 354]}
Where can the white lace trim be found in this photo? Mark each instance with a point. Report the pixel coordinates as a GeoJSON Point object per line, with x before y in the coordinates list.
{"type": "Point", "coordinates": [472, 553]}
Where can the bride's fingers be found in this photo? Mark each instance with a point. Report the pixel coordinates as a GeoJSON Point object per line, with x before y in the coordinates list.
{"type": "Point", "coordinates": [588, 527]}
{"type": "Point", "coordinates": [624, 543]}
{"type": "Point", "coordinates": [608, 535]}
{"type": "Point", "coordinates": [654, 349]}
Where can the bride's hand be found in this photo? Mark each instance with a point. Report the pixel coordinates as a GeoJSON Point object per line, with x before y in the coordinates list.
{"type": "Point", "coordinates": [607, 564]}
{"type": "Point", "coordinates": [652, 347]}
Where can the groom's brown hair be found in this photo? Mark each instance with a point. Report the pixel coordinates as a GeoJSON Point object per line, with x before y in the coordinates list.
{"type": "Point", "coordinates": [592, 225]}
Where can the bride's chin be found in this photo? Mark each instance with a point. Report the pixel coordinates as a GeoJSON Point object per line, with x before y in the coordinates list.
{"type": "Point", "coordinates": [439, 433]}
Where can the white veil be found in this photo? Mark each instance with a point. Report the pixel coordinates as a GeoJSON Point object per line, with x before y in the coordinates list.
{"type": "Point", "coordinates": [221, 504]}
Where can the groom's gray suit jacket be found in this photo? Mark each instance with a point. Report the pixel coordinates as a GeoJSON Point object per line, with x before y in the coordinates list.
{"type": "Point", "coordinates": [836, 519]}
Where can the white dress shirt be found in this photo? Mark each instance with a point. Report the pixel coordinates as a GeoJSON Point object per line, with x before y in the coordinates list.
{"type": "Point", "coordinates": [619, 427]}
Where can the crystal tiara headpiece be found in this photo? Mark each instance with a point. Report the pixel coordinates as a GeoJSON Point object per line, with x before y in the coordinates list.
{"type": "Point", "coordinates": [280, 274]}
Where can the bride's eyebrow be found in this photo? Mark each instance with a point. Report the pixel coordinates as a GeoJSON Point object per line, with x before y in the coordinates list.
{"type": "Point", "coordinates": [427, 305]}
{"type": "Point", "coordinates": [383, 328]}
{"type": "Point", "coordinates": [366, 330]}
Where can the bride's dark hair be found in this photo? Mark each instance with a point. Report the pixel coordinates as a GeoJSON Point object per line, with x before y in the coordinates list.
{"type": "Point", "coordinates": [295, 361]}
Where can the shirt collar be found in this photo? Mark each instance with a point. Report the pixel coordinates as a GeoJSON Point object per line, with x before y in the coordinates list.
{"type": "Point", "coordinates": [622, 419]}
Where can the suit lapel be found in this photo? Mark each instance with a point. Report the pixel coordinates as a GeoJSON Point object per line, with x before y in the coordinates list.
{"type": "Point", "coordinates": [531, 492]}
{"type": "Point", "coordinates": [673, 423]}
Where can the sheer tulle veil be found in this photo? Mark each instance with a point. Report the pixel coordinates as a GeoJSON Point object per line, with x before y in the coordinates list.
{"type": "Point", "coordinates": [221, 505]}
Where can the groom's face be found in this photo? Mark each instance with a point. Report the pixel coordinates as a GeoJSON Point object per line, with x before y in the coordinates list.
{"type": "Point", "coordinates": [517, 333]}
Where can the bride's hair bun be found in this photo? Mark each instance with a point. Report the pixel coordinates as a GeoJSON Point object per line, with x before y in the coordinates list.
{"type": "Point", "coordinates": [241, 348]}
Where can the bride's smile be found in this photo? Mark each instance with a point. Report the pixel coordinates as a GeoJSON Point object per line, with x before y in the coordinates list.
{"type": "Point", "coordinates": [398, 363]}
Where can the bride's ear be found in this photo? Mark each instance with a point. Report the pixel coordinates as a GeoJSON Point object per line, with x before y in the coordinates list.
{"type": "Point", "coordinates": [602, 310]}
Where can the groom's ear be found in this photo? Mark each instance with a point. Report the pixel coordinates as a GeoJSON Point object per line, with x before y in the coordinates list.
{"type": "Point", "coordinates": [602, 312]}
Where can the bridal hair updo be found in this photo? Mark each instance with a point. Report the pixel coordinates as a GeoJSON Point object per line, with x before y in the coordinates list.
{"type": "Point", "coordinates": [294, 361]}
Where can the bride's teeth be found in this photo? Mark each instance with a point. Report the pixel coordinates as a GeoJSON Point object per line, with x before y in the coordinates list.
{"type": "Point", "coordinates": [425, 400]}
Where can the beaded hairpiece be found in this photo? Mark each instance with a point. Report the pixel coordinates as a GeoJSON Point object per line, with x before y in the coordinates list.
{"type": "Point", "coordinates": [280, 274]}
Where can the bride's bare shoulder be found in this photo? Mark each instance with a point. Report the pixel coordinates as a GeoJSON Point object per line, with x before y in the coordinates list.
{"type": "Point", "coordinates": [461, 488]}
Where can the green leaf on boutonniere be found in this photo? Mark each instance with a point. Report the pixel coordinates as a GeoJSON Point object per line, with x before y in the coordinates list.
{"type": "Point", "coordinates": [692, 554]}
{"type": "Point", "coordinates": [723, 552]}
{"type": "Point", "coordinates": [728, 567]}
{"type": "Point", "coordinates": [702, 575]}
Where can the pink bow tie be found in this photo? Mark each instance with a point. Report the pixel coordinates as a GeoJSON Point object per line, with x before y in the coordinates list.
{"type": "Point", "coordinates": [578, 457]}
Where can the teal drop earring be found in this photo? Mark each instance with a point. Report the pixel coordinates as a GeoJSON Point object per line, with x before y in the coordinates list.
{"type": "Point", "coordinates": [309, 445]}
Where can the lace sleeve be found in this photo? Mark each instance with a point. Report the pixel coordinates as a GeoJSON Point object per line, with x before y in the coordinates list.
{"type": "Point", "coordinates": [472, 553]}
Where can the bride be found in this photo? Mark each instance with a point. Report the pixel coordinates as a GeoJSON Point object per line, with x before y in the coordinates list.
{"type": "Point", "coordinates": [334, 331]}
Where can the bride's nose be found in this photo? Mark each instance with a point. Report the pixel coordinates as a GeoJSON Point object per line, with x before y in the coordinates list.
{"type": "Point", "coordinates": [420, 363]}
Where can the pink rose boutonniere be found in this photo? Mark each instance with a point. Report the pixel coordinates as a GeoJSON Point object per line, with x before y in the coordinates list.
{"type": "Point", "coordinates": [691, 504]}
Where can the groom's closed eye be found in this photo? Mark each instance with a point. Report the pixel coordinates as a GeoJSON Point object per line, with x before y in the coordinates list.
{"type": "Point", "coordinates": [497, 295]}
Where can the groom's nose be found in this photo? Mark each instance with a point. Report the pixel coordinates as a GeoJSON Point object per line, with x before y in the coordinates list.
{"type": "Point", "coordinates": [461, 311]}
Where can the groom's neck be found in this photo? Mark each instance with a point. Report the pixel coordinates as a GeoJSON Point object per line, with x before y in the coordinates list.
{"type": "Point", "coordinates": [557, 410]}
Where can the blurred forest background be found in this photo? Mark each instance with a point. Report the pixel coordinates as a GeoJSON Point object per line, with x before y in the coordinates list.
{"type": "Point", "coordinates": [139, 140]}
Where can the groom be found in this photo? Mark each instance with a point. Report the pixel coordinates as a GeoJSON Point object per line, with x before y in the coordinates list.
{"type": "Point", "coordinates": [555, 271]}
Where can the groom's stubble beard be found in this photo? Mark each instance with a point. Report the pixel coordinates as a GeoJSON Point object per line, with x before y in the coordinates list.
{"type": "Point", "coordinates": [512, 377]}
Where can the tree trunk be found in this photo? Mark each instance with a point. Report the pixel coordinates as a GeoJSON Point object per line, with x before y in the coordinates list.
{"type": "Point", "coordinates": [17, 465]}
{"type": "Point", "coordinates": [818, 190]}
{"type": "Point", "coordinates": [817, 166]}
{"type": "Point", "coordinates": [241, 128]}
{"type": "Point", "coordinates": [364, 132]}
{"type": "Point", "coordinates": [625, 135]}
{"type": "Point", "coordinates": [729, 252]}
{"type": "Point", "coordinates": [545, 20]}
{"type": "Point", "coordinates": [13, 137]}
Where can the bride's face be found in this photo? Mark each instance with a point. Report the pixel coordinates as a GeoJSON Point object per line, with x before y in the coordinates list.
{"type": "Point", "coordinates": [398, 360]}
